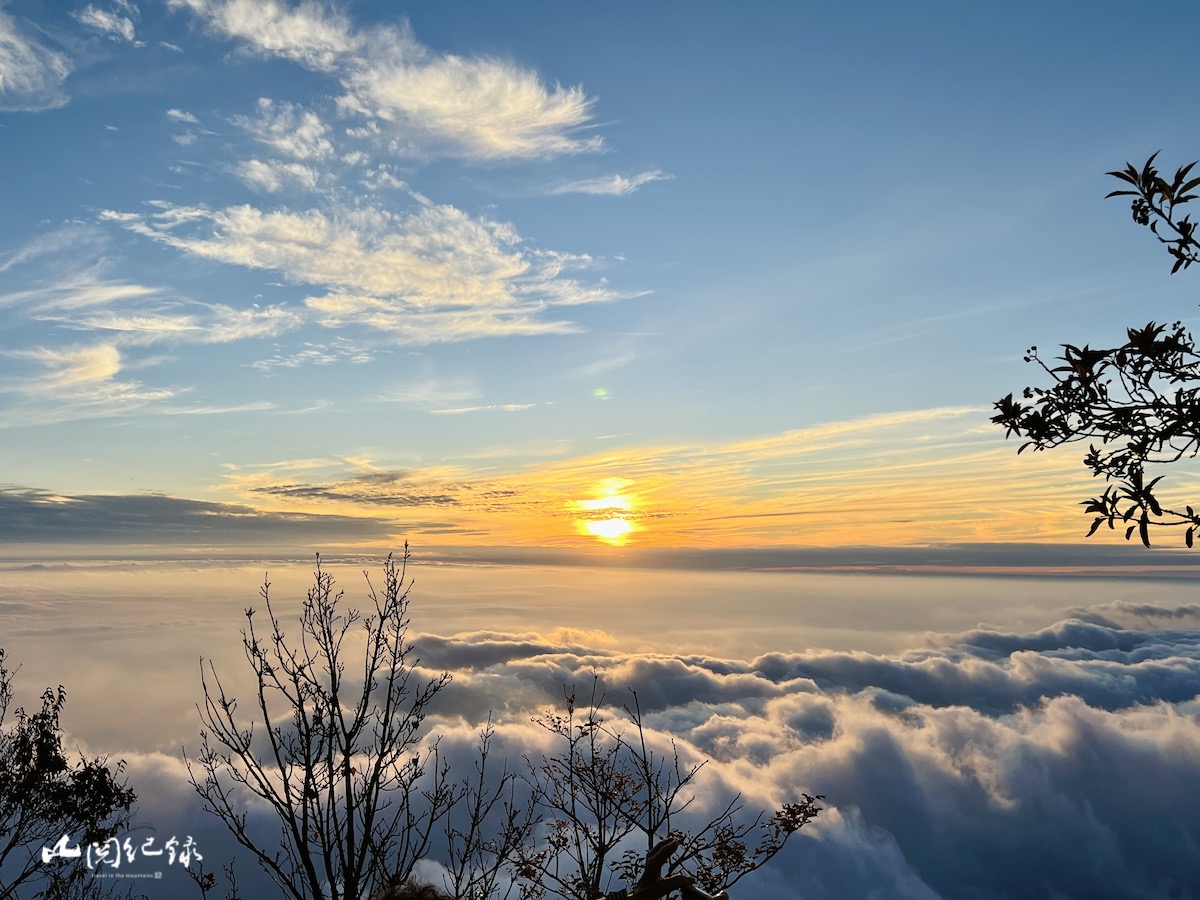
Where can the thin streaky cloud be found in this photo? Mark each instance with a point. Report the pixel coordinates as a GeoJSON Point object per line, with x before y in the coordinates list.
{"type": "Point", "coordinates": [70, 367]}
{"type": "Point", "coordinates": [600, 366]}
{"type": "Point", "coordinates": [68, 238]}
{"type": "Point", "coordinates": [73, 383]}
{"type": "Point", "coordinates": [430, 275]}
{"type": "Point", "coordinates": [431, 392]}
{"type": "Point", "coordinates": [114, 25]}
{"type": "Point", "coordinates": [611, 185]}
{"type": "Point", "coordinates": [317, 354]}
{"type": "Point", "coordinates": [914, 478]}
{"type": "Point", "coordinates": [181, 115]}
{"type": "Point", "coordinates": [505, 407]}
{"type": "Point", "coordinates": [32, 75]}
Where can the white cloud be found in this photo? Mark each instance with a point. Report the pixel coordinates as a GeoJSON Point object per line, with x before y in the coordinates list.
{"type": "Point", "coordinates": [380, 178]}
{"type": "Point", "coordinates": [474, 108]}
{"type": "Point", "coordinates": [77, 290]}
{"type": "Point", "coordinates": [504, 407]}
{"type": "Point", "coordinates": [111, 23]}
{"type": "Point", "coordinates": [289, 129]}
{"type": "Point", "coordinates": [308, 33]}
{"type": "Point", "coordinates": [70, 237]}
{"type": "Point", "coordinates": [230, 324]}
{"type": "Point", "coordinates": [934, 796]}
{"type": "Point", "coordinates": [31, 75]}
{"type": "Point", "coordinates": [273, 175]}
{"type": "Point", "coordinates": [73, 366]}
{"type": "Point", "coordinates": [611, 185]}
{"type": "Point", "coordinates": [78, 382]}
{"type": "Point", "coordinates": [1062, 762]}
{"type": "Point", "coordinates": [218, 324]}
{"type": "Point", "coordinates": [434, 274]}
{"type": "Point", "coordinates": [477, 108]}
{"type": "Point", "coordinates": [310, 353]}
{"type": "Point", "coordinates": [181, 115]}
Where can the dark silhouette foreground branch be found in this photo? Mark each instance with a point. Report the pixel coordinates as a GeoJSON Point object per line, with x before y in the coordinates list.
{"type": "Point", "coordinates": [1135, 404]}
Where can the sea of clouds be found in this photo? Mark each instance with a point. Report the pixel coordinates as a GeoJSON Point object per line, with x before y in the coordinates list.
{"type": "Point", "coordinates": [1060, 761]}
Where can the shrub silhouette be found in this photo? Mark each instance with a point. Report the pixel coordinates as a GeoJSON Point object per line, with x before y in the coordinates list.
{"type": "Point", "coordinates": [45, 796]}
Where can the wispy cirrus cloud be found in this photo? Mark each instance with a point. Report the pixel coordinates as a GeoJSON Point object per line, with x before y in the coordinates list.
{"type": "Point", "coordinates": [89, 299]}
{"type": "Point", "coordinates": [217, 324]}
{"type": "Point", "coordinates": [476, 108]}
{"type": "Point", "coordinates": [273, 175]}
{"type": "Point", "coordinates": [117, 23]}
{"type": "Point", "coordinates": [31, 74]}
{"type": "Point", "coordinates": [309, 33]}
{"type": "Point", "coordinates": [79, 290]}
{"type": "Point", "coordinates": [433, 274]}
{"type": "Point", "coordinates": [610, 185]}
{"type": "Point", "coordinates": [318, 354]}
{"type": "Point", "coordinates": [289, 129]}
{"type": "Point", "coordinates": [431, 392]}
{"type": "Point", "coordinates": [75, 382]}
{"type": "Point", "coordinates": [501, 407]}
{"type": "Point", "coordinates": [182, 115]}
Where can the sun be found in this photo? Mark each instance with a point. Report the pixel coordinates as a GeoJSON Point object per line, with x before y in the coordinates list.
{"type": "Point", "coordinates": [611, 531]}
{"type": "Point", "coordinates": [608, 515]}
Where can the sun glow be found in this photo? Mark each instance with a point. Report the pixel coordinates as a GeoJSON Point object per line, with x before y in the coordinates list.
{"type": "Point", "coordinates": [610, 531]}
{"type": "Point", "coordinates": [607, 515]}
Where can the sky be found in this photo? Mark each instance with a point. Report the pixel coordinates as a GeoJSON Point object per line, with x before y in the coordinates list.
{"type": "Point", "coordinates": [304, 276]}
{"type": "Point", "coordinates": [667, 334]}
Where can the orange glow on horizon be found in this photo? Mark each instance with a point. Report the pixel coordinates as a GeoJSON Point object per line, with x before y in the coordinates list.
{"type": "Point", "coordinates": [611, 531]}
{"type": "Point", "coordinates": [927, 477]}
{"type": "Point", "coordinates": [607, 515]}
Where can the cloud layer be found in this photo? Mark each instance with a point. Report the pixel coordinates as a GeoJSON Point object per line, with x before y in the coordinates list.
{"type": "Point", "coordinates": [1057, 763]}
{"type": "Point", "coordinates": [993, 763]}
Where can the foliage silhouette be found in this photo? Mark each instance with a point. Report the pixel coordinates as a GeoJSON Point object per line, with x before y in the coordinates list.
{"type": "Point", "coordinates": [43, 796]}
{"type": "Point", "coordinates": [339, 757]}
{"type": "Point", "coordinates": [1137, 404]}
{"type": "Point", "coordinates": [605, 784]}
{"type": "Point", "coordinates": [361, 792]}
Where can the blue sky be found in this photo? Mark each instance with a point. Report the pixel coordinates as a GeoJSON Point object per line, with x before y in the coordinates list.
{"type": "Point", "coordinates": [548, 283]}
{"type": "Point", "coordinates": [274, 256]}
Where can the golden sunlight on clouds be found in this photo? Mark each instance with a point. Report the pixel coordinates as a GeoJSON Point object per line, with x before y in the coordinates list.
{"type": "Point", "coordinates": [923, 477]}
{"type": "Point", "coordinates": [607, 515]}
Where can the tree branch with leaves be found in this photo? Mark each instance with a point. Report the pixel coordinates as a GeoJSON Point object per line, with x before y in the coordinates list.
{"type": "Point", "coordinates": [1135, 404]}
{"type": "Point", "coordinates": [44, 796]}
